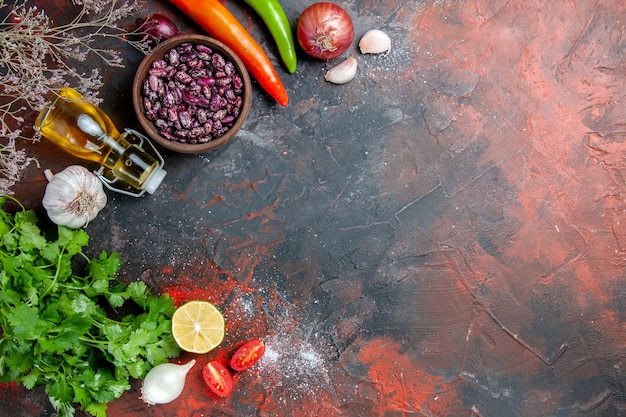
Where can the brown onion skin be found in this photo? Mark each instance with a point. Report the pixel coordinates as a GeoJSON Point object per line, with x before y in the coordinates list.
{"type": "Point", "coordinates": [328, 21]}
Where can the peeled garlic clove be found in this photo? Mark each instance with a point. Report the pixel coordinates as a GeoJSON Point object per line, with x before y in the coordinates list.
{"type": "Point", "coordinates": [375, 41]}
{"type": "Point", "coordinates": [343, 72]}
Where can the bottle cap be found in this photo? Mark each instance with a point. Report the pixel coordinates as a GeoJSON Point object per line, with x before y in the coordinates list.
{"type": "Point", "coordinates": [154, 180]}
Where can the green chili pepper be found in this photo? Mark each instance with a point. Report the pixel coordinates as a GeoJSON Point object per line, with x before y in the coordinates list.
{"type": "Point", "coordinates": [274, 17]}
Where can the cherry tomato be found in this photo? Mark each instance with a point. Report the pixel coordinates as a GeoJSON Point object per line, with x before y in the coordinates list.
{"type": "Point", "coordinates": [218, 378]}
{"type": "Point", "coordinates": [247, 355]}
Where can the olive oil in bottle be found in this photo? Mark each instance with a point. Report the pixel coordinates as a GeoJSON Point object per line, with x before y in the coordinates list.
{"type": "Point", "coordinates": [86, 132]}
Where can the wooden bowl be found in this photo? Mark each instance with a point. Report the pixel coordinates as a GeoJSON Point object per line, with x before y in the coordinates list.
{"type": "Point", "coordinates": [177, 143]}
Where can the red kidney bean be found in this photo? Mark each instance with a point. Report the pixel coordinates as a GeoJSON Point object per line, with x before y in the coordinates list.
{"type": "Point", "coordinates": [237, 82]}
{"type": "Point", "coordinates": [218, 61]}
{"type": "Point", "coordinates": [204, 56]}
{"type": "Point", "coordinates": [229, 68]}
{"type": "Point", "coordinates": [207, 92]}
{"type": "Point", "coordinates": [202, 116]}
{"type": "Point", "coordinates": [166, 134]}
{"type": "Point", "coordinates": [185, 48]}
{"type": "Point", "coordinates": [197, 131]}
{"type": "Point", "coordinates": [153, 82]}
{"type": "Point", "coordinates": [193, 94]}
{"type": "Point", "coordinates": [186, 57]}
{"type": "Point", "coordinates": [159, 64]}
{"type": "Point", "coordinates": [230, 96]}
{"type": "Point", "coordinates": [190, 98]}
{"type": "Point", "coordinates": [185, 119]}
{"type": "Point", "coordinates": [208, 125]}
{"type": "Point", "coordinates": [224, 81]}
{"type": "Point", "coordinates": [172, 56]}
{"type": "Point", "coordinates": [160, 124]}
{"type": "Point", "coordinates": [194, 89]}
{"type": "Point", "coordinates": [198, 73]}
{"type": "Point", "coordinates": [182, 133]}
{"type": "Point", "coordinates": [195, 64]}
{"type": "Point", "coordinates": [172, 114]}
{"type": "Point", "coordinates": [203, 48]}
{"type": "Point", "coordinates": [183, 77]}
{"type": "Point", "coordinates": [220, 114]}
{"type": "Point", "coordinates": [168, 99]}
{"type": "Point", "coordinates": [158, 72]}
{"type": "Point", "coordinates": [206, 81]}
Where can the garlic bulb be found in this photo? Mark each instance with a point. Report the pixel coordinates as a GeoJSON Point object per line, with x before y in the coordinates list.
{"type": "Point", "coordinates": [375, 41]}
{"type": "Point", "coordinates": [73, 197]}
{"type": "Point", "coordinates": [343, 72]}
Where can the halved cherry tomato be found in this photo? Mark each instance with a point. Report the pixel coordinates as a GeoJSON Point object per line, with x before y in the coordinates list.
{"type": "Point", "coordinates": [218, 378]}
{"type": "Point", "coordinates": [247, 355]}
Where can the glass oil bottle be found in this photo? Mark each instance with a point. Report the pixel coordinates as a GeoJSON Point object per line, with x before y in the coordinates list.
{"type": "Point", "coordinates": [86, 132]}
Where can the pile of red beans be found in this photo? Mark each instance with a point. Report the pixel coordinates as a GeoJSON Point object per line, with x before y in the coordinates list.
{"type": "Point", "coordinates": [193, 94]}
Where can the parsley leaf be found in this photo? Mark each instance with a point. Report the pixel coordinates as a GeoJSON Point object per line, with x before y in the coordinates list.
{"type": "Point", "coordinates": [30, 237]}
{"type": "Point", "coordinates": [25, 323]}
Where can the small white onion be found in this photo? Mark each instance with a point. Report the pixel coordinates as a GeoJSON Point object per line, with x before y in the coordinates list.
{"type": "Point", "coordinates": [343, 72]}
{"type": "Point", "coordinates": [375, 41]}
{"type": "Point", "coordinates": [165, 382]}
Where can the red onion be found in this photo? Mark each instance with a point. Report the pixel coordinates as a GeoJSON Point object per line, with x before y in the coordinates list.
{"type": "Point", "coordinates": [325, 30]}
{"type": "Point", "coordinates": [157, 28]}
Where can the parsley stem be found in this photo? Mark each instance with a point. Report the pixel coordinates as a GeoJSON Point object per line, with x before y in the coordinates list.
{"type": "Point", "coordinates": [15, 200]}
{"type": "Point", "coordinates": [56, 276]}
{"type": "Point", "coordinates": [93, 342]}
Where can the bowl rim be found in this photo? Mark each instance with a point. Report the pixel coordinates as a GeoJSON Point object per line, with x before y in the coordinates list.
{"type": "Point", "coordinates": [158, 52]}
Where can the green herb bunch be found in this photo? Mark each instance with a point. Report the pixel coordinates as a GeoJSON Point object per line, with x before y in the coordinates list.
{"type": "Point", "coordinates": [65, 329]}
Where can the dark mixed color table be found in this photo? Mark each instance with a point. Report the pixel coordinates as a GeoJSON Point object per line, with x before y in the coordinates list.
{"type": "Point", "coordinates": [445, 235]}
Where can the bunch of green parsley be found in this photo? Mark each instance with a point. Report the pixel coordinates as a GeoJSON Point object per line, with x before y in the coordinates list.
{"type": "Point", "coordinates": [83, 335]}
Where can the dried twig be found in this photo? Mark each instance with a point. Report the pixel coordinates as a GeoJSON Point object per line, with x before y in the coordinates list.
{"type": "Point", "coordinates": [37, 57]}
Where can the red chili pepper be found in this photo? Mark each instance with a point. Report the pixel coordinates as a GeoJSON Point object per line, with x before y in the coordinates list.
{"type": "Point", "coordinates": [219, 23]}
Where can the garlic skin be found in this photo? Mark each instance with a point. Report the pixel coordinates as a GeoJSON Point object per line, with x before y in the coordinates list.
{"type": "Point", "coordinates": [375, 41]}
{"type": "Point", "coordinates": [73, 197]}
{"type": "Point", "coordinates": [343, 72]}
